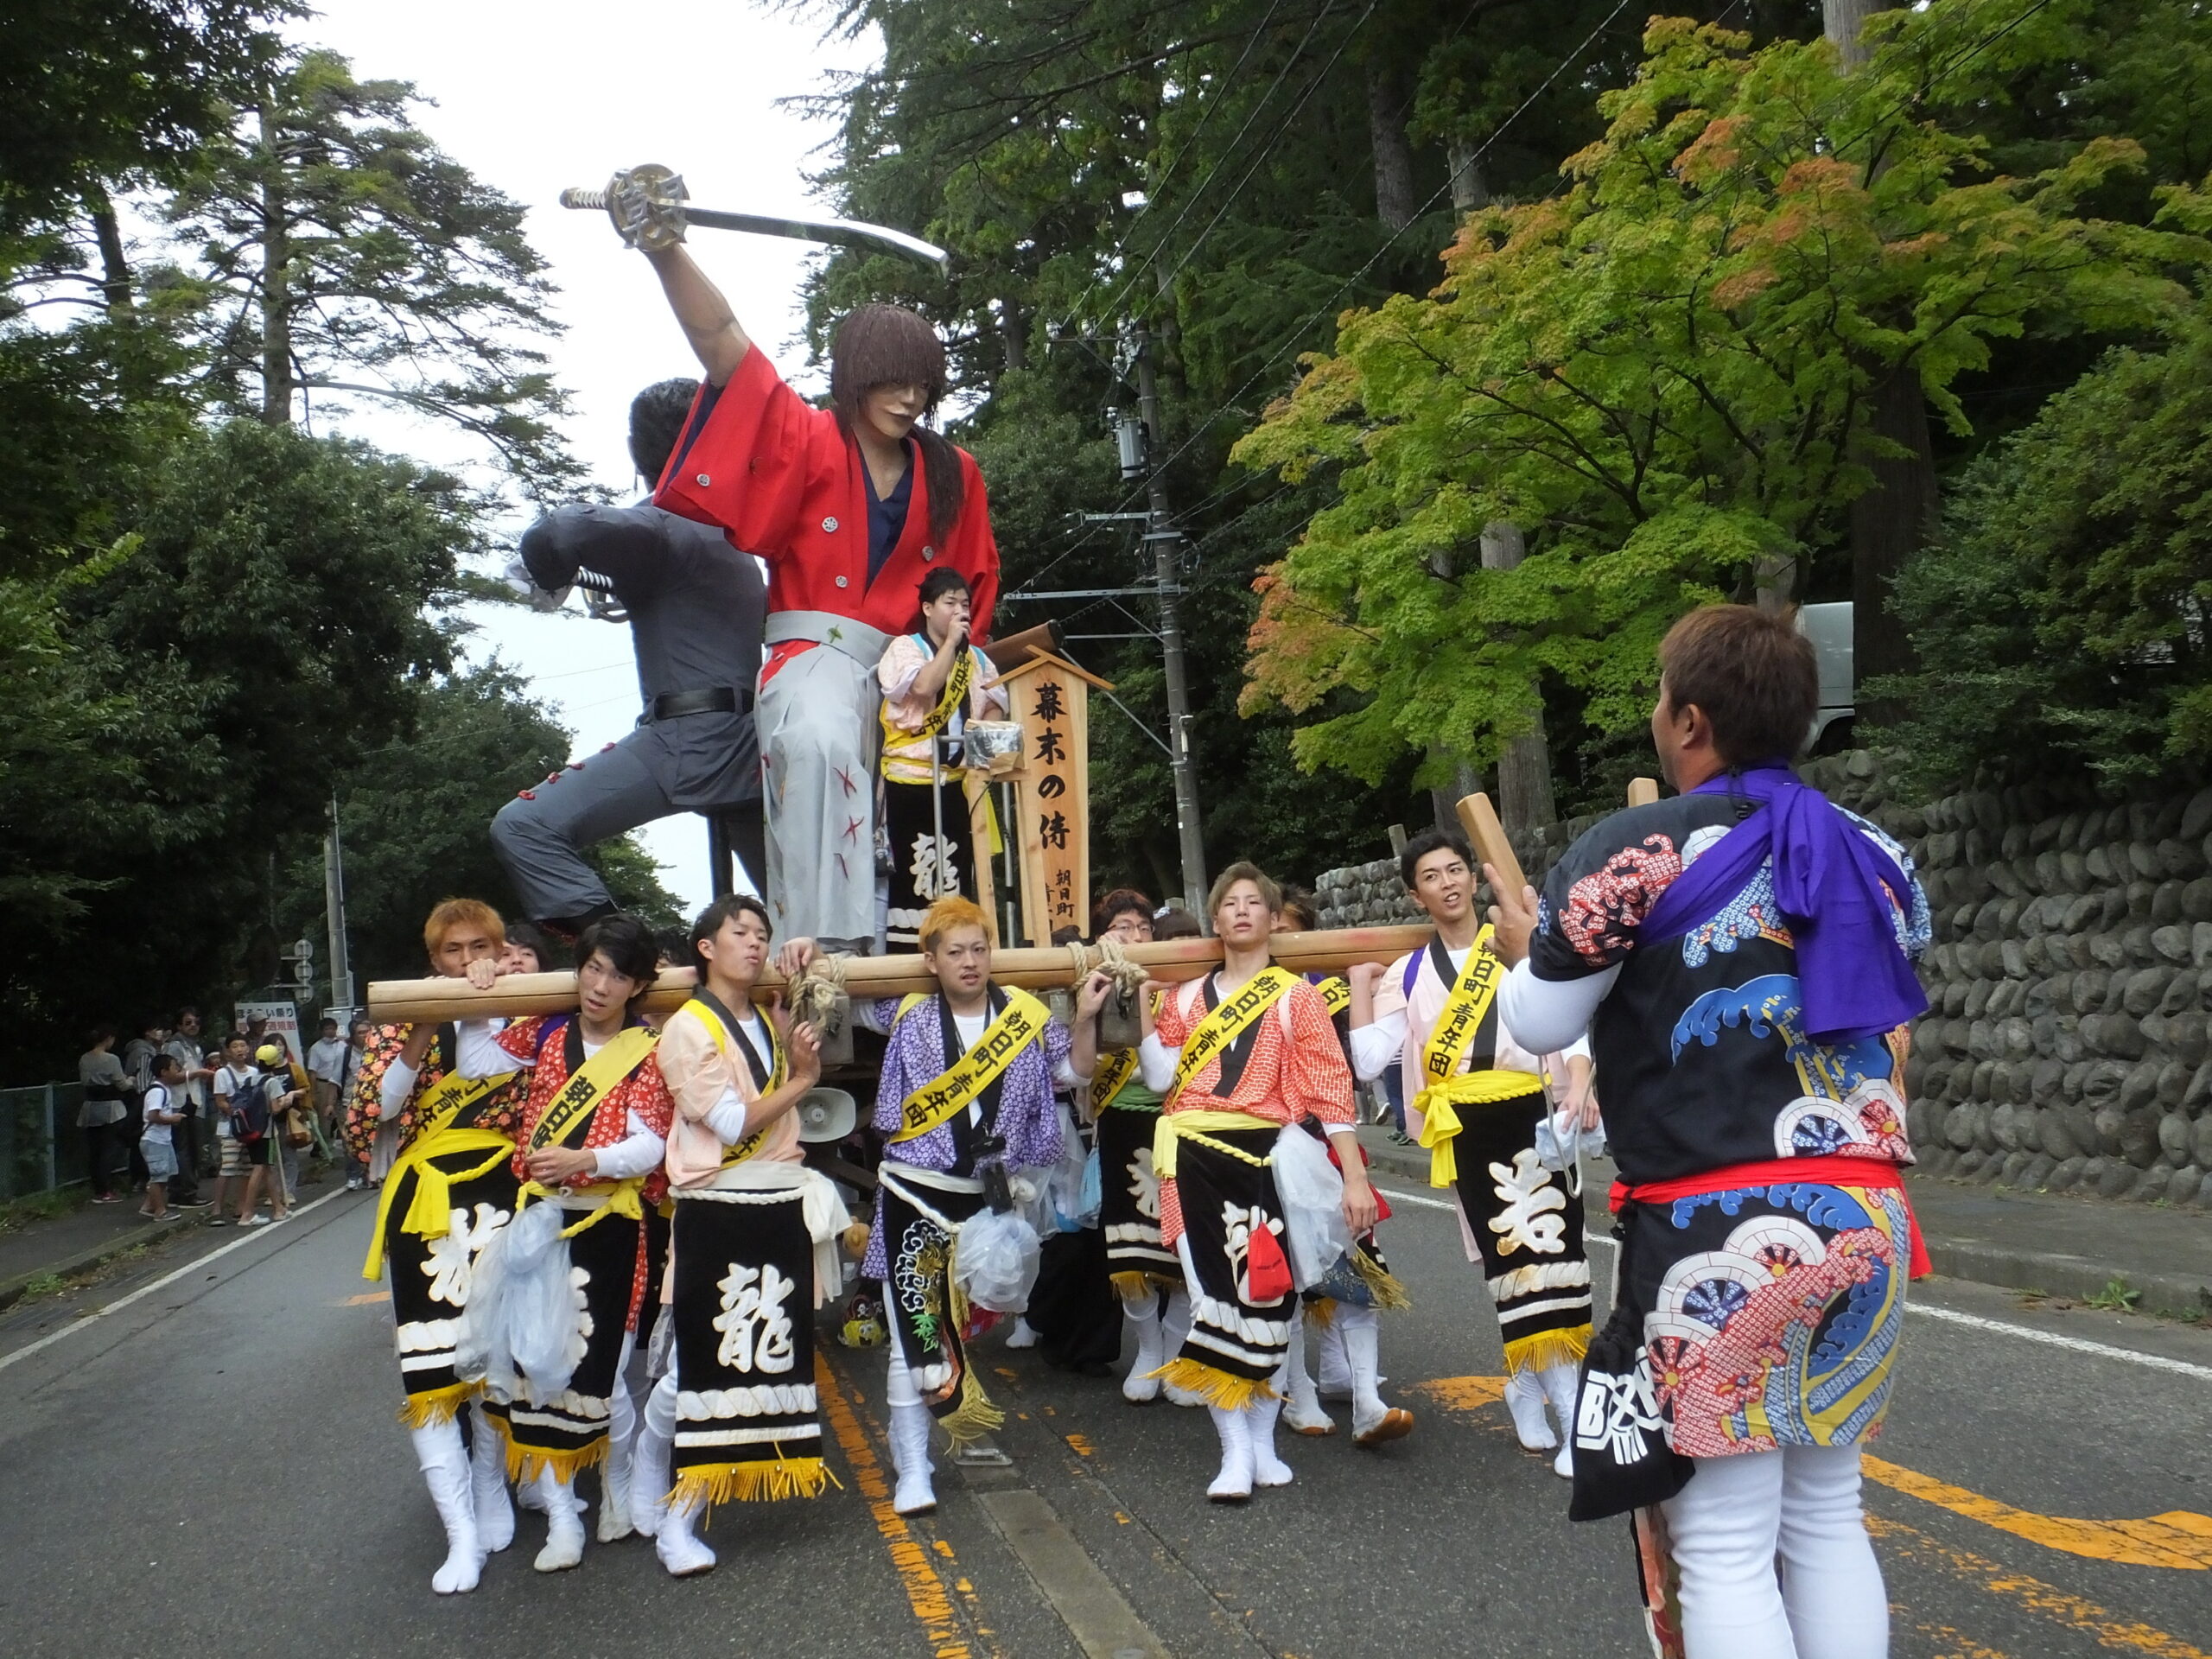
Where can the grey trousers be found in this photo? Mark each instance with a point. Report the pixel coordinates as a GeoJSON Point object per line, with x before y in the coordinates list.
{"type": "Point", "coordinates": [541, 836]}
{"type": "Point", "coordinates": [817, 720]}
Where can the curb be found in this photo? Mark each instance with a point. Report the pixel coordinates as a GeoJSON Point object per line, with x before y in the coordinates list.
{"type": "Point", "coordinates": [2079, 1278]}
{"type": "Point", "coordinates": [11, 1290]}
{"type": "Point", "coordinates": [2076, 1277]}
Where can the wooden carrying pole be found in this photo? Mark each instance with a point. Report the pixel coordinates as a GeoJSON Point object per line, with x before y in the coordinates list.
{"type": "Point", "coordinates": [1642, 791]}
{"type": "Point", "coordinates": [400, 1002]}
{"type": "Point", "coordinates": [1479, 819]}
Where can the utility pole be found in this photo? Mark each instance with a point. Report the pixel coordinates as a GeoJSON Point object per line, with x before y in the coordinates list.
{"type": "Point", "coordinates": [1166, 542]}
{"type": "Point", "coordinates": [333, 901]}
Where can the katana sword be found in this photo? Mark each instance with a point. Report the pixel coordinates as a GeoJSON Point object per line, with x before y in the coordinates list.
{"type": "Point", "coordinates": [651, 209]}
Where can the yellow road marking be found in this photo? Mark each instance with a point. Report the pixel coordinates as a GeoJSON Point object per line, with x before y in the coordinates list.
{"type": "Point", "coordinates": [925, 1592]}
{"type": "Point", "coordinates": [1463, 1393]}
{"type": "Point", "coordinates": [365, 1298]}
{"type": "Point", "coordinates": [2176, 1539]}
{"type": "Point", "coordinates": [2054, 1603]}
{"type": "Point", "coordinates": [1079, 1444]}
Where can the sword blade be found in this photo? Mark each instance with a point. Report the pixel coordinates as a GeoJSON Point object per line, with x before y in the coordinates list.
{"type": "Point", "coordinates": [844, 231]}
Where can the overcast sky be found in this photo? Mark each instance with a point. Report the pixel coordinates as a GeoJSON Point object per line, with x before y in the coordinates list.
{"type": "Point", "coordinates": [535, 98]}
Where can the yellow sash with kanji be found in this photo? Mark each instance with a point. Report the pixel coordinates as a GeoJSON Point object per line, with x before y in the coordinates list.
{"type": "Point", "coordinates": [1114, 1070]}
{"type": "Point", "coordinates": [1212, 1035]}
{"type": "Point", "coordinates": [1444, 1088]}
{"type": "Point", "coordinates": [1021, 1022]}
{"type": "Point", "coordinates": [578, 1097]}
{"type": "Point", "coordinates": [1336, 995]}
{"type": "Point", "coordinates": [430, 1212]}
{"type": "Point", "coordinates": [707, 1017]}
{"type": "Point", "coordinates": [949, 702]}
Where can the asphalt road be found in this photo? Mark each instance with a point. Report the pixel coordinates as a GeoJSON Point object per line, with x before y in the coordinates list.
{"type": "Point", "coordinates": [211, 1465]}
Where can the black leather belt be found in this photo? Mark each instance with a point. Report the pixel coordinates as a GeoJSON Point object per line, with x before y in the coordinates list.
{"type": "Point", "coordinates": [714, 700]}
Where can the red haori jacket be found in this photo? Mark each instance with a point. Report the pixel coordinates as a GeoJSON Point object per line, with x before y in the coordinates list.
{"type": "Point", "coordinates": [782, 480]}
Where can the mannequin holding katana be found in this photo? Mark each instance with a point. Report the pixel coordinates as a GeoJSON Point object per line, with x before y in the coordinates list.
{"type": "Point", "coordinates": [850, 507]}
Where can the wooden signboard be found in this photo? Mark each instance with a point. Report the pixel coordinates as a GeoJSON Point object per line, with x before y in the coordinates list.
{"type": "Point", "coordinates": [1050, 697]}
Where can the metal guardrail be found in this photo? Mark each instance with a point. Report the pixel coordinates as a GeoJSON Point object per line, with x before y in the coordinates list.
{"type": "Point", "coordinates": [40, 1148]}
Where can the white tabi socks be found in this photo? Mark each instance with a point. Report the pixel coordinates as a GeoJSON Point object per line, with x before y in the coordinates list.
{"type": "Point", "coordinates": [910, 1438]}
{"type": "Point", "coordinates": [649, 1458]}
{"type": "Point", "coordinates": [1304, 1413]}
{"type": "Point", "coordinates": [565, 1525]}
{"type": "Point", "coordinates": [1524, 1398]}
{"type": "Point", "coordinates": [487, 1479]}
{"type": "Point", "coordinates": [445, 1470]}
{"type": "Point", "coordinates": [1174, 1326]}
{"type": "Point", "coordinates": [1561, 1385]}
{"type": "Point", "coordinates": [1336, 1369]}
{"type": "Point", "coordinates": [1267, 1469]}
{"type": "Point", "coordinates": [1022, 1335]}
{"type": "Point", "coordinates": [615, 1473]}
{"type": "Point", "coordinates": [1140, 1387]}
{"type": "Point", "coordinates": [1234, 1483]}
{"type": "Point", "coordinates": [1372, 1422]}
{"type": "Point", "coordinates": [678, 1543]}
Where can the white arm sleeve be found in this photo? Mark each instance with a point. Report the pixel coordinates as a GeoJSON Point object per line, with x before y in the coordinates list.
{"type": "Point", "coordinates": [1546, 1015]}
{"type": "Point", "coordinates": [1377, 1048]}
{"type": "Point", "coordinates": [1156, 1063]}
{"type": "Point", "coordinates": [398, 1083]}
{"type": "Point", "coordinates": [640, 1151]}
{"type": "Point", "coordinates": [725, 1118]}
{"type": "Point", "coordinates": [481, 1053]}
{"type": "Point", "coordinates": [1064, 1076]}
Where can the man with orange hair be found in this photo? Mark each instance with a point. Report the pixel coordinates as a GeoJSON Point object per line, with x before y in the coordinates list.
{"type": "Point", "coordinates": [447, 1140]}
{"type": "Point", "coordinates": [965, 1102]}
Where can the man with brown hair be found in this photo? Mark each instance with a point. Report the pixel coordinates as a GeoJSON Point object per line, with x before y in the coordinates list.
{"type": "Point", "coordinates": [1741, 955]}
{"type": "Point", "coordinates": [448, 1140]}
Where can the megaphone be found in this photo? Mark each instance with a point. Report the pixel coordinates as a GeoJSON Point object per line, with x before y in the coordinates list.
{"type": "Point", "coordinates": [826, 1115]}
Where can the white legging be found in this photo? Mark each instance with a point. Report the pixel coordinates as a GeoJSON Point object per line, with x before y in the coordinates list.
{"type": "Point", "coordinates": [1798, 1508]}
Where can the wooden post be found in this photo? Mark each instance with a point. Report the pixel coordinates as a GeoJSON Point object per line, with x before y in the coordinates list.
{"type": "Point", "coordinates": [1051, 697]}
{"type": "Point", "coordinates": [1642, 791]}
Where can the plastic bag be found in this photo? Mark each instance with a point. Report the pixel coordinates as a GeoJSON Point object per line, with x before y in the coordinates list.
{"type": "Point", "coordinates": [1562, 1143]}
{"type": "Point", "coordinates": [1312, 1194]}
{"type": "Point", "coordinates": [996, 1261]}
{"type": "Point", "coordinates": [1092, 1196]}
{"type": "Point", "coordinates": [520, 1321]}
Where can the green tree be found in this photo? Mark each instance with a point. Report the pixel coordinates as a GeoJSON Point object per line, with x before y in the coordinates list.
{"type": "Point", "coordinates": [340, 252]}
{"type": "Point", "coordinates": [412, 814]}
{"type": "Point", "coordinates": [1663, 375]}
{"type": "Point", "coordinates": [2063, 615]}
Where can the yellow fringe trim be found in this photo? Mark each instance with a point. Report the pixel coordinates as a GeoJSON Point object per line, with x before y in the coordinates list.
{"type": "Point", "coordinates": [1321, 1313]}
{"type": "Point", "coordinates": [1135, 1286]}
{"type": "Point", "coordinates": [438, 1405]}
{"type": "Point", "coordinates": [1216, 1387]}
{"type": "Point", "coordinates": [1390, 1294]}
{"type": "Point", "coordinates": [975, 1417]}
{"type": "Point", "coordinates": [760, 1482]}
{"type": "Point", "coordinates": [527, 1463]}
{"type": "Point", "coordinates": [1547, 1348]}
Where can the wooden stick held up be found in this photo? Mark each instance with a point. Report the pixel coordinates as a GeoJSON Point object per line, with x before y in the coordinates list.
{"type": "Point", "coordinates": [1329, 950]}
{"type": "Point", "coordinates": [1642, 791]}
{"type": "Point", "coordinates": [1479, 819]}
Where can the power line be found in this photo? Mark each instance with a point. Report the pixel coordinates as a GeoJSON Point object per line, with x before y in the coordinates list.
{"type": "Point", "coordinates": [1152, 197]}
{"type": "Point", "coordinates": [1160, 244]}
{"type": "Point", "coordinates": [1293, 336]}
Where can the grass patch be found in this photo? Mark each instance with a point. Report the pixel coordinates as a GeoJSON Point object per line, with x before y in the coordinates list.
{"type": "Point", "coordinates": [2117, 1297]}
{"type": "Point", "coordinates": [19, 1213]}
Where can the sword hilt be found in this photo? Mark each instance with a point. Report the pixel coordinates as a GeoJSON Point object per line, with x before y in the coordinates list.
{"type": "Point", "coordinates": [645, 203]}
{"type": "Point", "coordinates": [590, 200]}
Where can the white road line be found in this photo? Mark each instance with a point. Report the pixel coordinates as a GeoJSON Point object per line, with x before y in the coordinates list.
{"type": "Point", "coordinates": [1975, 1321]}
{"type": "Point", "coordinates": [2052, 1339]}
{"type": "Point", "coordinates": [83, 1322]}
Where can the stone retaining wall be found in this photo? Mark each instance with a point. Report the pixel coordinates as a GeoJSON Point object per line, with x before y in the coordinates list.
{"type": "Point", "coordinates": [2068, 1042]}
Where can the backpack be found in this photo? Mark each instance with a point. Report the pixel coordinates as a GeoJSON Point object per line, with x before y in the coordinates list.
{"type": "Point", "coordinates": [250, 1111]}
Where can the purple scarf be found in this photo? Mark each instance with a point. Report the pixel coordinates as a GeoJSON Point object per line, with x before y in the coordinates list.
{"type": "Point", "coordinates": [1829, 882]}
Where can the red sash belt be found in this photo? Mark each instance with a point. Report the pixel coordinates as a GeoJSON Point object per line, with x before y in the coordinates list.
{"type": "Point", "coordinates": [1838, 1169]}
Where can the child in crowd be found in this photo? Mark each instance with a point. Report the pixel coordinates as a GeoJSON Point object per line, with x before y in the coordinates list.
{"type": "Point", "coordinates": [155, 1142]}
